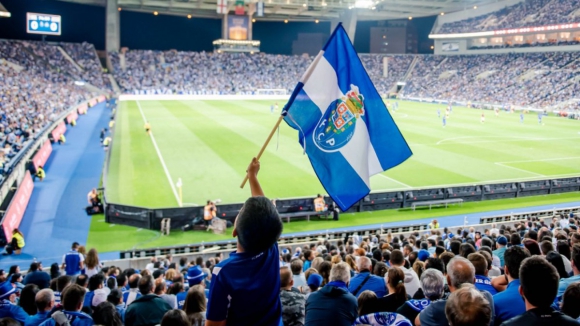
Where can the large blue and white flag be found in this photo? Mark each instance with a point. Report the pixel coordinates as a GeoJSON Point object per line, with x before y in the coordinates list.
{"type": "Point", "coordinates": [344, 125]}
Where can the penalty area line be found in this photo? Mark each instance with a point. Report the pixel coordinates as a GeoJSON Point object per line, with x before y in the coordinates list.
{"type": "Point", "coordinates": [160, 156]}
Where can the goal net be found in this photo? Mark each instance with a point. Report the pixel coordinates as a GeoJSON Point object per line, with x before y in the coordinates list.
{"type": "Point", "coordinates": [271, 91]}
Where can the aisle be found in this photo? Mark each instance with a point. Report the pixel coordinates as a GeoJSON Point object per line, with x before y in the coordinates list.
{"type": "Point", "coordinates": [55, 217]}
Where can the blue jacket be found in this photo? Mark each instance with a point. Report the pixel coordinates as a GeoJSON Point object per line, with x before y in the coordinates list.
{"type": "Point", "coordinates": [508, 303]}
{"type": "Point", "coordinates": [37, 319]}
{"type": "Point", "coordinates": [7, 309]}
{"type": "Point", "coordinates": [75, 319]}
{"type": "Point", "coordinates": [374, 283]}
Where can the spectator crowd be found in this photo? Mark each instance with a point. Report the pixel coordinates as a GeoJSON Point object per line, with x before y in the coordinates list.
{"type": "Point", "coordinates": [528, 13]}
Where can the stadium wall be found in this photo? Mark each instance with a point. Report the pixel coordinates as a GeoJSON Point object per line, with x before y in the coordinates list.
{"type": "Point", "coordinates": [463, 48]}
{"type": "Point", "coordinates": [17, 186]}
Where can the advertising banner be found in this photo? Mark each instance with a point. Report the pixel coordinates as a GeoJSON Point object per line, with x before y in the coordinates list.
{"type": "Point", "coordinates": [59, 130]}
{"type": "Point", "coordinates": [42, 155]}
{"type": "Point", "coordinates": [82, 109]}
{"type": "Point", "coordinates": [15, 212]}
{"type": "Point", "coordinates": [238, 27]}
{"type": "Point", "coordinates": [72, 116]}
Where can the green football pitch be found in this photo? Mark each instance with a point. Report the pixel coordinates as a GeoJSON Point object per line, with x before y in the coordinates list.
{"type": "Point", "coordinates": [208, 145]}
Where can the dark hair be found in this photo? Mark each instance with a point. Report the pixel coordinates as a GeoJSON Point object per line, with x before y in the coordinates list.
{"type": "Point", "coordinates": [435, 263]}
{"type": "Point", "coordinates": [112, 283]}
{"type": "Point", "coordinates": [106, 314]}
{"type": "Point", "coordinates": [533, 247]}
{"type": "Point", "coordinates": [380, 269]}
{"type": "Point", "coordinates": [446, 258]}
{"type": "Point", "coordinates": [454, 247]}
{"type": "Point", "coordinates": [95, 281]}
{"type": "Point", "coordinates": [537, 270]}
{"type": "Point", "coordinates": [146, 284]}
{"type": "Point", "coordinates": [134, 281]}
{"type": "Point", "coordinates": [439, 250]}
{"type": "Point", "coordinates": [546, 247]}
{"type": "Point", "coordinates": [115, 296]}
{"type": "Point", "coordinates": [176, 288]}
{"type": "Point", "coordinates": [397, 257]}
{"type": "Point", "coordinates": [7, 321]}
{"type": "Point", "coordinates": [121, 280]}
{"type": "Point", "coordinates": [82, 280]}
{"type": "Point", "coordinates": [12, 269]}
{"type": "Point", "coordinates": [479, 262]}
{"type": "Point", "coordinates": [378, 255]}
{"type": "Point", "coordinates": [513, 257]}
{"type": "Point", "coordinates": [175, 317]}
{"type": "Point", "coordinates": [27, 299]}
{"type": "Point", "coordinates": [516, 240]}
{"type": "Point", "coordinates": [324, 271]}
{"type": "Point", "coordinates": [563, 249]}
{"type": "Point", "coordinates": [571, 300]}
{"type": "Point", "coordinates": [62, 282]}
{"type": "Point", "coordinates": [258, 225]}
{"type": "Point", "coordinates": [576, 255]}
{"type": "Point", "coordinates": [556, 260]}
{"type": "Point", "coordinates": [396, 279]}
{"type": "Point", "coordinates": [465, 249]}
{"type": "Point", "coordinates": [486, 242]}
{"type": "Point", "coordinates": [533, 234]}
{"type": "Point", "coordinates": [73, 297]}
{"type": "Point", "coordinates": [195, 301]}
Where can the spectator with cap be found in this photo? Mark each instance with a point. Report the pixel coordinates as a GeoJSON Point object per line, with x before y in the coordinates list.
{"type": "Point", "coordinates": [147, 310]}
{"type": "Point", "coordinates": [539, 287]}
{"type": "Point", "coordinates": [314, 283]}
{"type": "Point", "coordinates": [292, 300]}
{"type": "Point", "coordinates": [467, 307]}
{"type": "Point", "coordinates": [482, 282]}
{"type": "Point", "coordinates": [501, 243]}
{"type": "Point", "coordinates": [433, 288]}
{"type": "Point", "coordinates": [509, 303]}
{"type": "Point", "coordinates": [72, 302]}
{"type": "Point", "coordinates": [37, 276]}
{"type": "Point", "coordinates": [195, 276]}
{"type": "Point", "coordinates": [333, 304]}
{"type": "Point", "coordinates": [365, 280]}
{"type": "Point", "coordinates": [44, 301]}
{"type": "Point", "coordinates": [245, 288]}
{"type": "Point", "coordinates": [8, 308]}
{"type": "Point", "coordinates": [423, 255]}
{"type": "Point", "coordinates": [73, 261]}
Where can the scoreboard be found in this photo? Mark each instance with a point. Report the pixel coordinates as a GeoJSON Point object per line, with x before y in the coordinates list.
{"type": "Point", "coordinates": [43, 24]}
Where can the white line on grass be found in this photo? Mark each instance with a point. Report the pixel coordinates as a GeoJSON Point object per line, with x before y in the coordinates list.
{"type": "Point", "coordinates": [509, 139]}
{"type": "Point", "coordinates": [521, 170]}
{"type": "Point", "coordinates": [544, 160]}
{"type": "Point", "coordinates": [160, 157]}
{"type": "Point", "coordinates": [399, 182]}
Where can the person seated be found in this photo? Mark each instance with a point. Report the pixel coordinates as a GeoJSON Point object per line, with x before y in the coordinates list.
{"type": "Point", "coordinates": [8, 307]}
{"type": "Point", "coordinates": [16, 244]}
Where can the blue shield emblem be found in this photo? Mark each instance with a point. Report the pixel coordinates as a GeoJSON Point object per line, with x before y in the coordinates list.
{"type": "Point", "coordinates": [336, 126]}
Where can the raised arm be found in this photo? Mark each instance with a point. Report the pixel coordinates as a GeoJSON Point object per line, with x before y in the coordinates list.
{"type": "Point", "coordinates": [252, 171]}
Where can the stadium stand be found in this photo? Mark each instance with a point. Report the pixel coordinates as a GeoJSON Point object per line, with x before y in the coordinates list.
{"type": "Point", "coordinates": [524, 14]}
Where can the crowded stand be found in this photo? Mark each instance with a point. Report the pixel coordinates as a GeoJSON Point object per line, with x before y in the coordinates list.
{"type": "Point", "coordinates": [523, 274]}
{"type": "Point", "coordinates": [528, 13]}
{"type": "Point", "coordinates": [34, 92]}
{"type": "Point", "coordinates": [85, 56]}
{"type": "Point", "coordinates": [521, 79]}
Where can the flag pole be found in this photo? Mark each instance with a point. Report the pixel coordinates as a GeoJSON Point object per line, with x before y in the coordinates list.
{"type": "Point", "coordinates": [265, 145]}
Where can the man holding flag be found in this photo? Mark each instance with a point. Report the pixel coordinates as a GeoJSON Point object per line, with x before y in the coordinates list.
{"type": "Point", "coordinates": [343, 123]}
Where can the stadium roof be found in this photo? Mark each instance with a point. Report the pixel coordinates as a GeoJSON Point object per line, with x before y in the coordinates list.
{"type": "Point", "coordinates": [304, 10]}
{"type": "Point", "coordinates": [3, 11]}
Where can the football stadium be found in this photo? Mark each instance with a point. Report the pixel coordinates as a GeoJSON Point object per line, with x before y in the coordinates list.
{"type": "Point", "coordinates": [290, 162]}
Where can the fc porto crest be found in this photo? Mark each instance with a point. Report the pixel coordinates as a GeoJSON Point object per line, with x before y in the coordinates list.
{"type": "Point", "coordinates": [336, 127]}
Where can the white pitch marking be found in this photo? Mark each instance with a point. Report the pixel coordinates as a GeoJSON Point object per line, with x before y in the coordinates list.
{"type": "Point", "coordinates": [474, 183]}
{"type": "Point", "coordinates": [544, 160]}
{"type": "Point", "coordinates": [509, 139]}
{"type": "Point", "coordinates": [521, 170]}
{"type": "Point", "coordinates": [399, 182]}
{"type": "Point", "coordinates": [159, 155]}
{"type": "Point", "coordinates": [111, 225]}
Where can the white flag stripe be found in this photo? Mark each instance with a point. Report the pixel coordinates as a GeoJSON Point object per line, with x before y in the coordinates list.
{"type": "Point", "coordinates": [321, 86]}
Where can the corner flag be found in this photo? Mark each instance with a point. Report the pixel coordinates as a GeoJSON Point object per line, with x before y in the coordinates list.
{"type": "Point", "coordinates": [344, 125]}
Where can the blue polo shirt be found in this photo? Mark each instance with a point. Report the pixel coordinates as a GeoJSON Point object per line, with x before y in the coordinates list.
{"type": "Point", "coordinates": [7, 309]}
{"type": "Point", "coordinates": [37, 319]}
{"type": "Point", "coordinates": [245, 289]}
{"type": "Point", "coordinates": [74, 318]}
{"type": "Point", "coordinates": [508, 303]}
{"type": "Point", "coordinates": [374, 283]}
{"type": "Point", "coordinates": [484, 283]}
{"type": "Point", "coordinates": [564, 284]}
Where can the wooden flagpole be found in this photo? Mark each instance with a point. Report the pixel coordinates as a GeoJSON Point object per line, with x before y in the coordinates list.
{"type": "Point", "coordinates": [264, 146]}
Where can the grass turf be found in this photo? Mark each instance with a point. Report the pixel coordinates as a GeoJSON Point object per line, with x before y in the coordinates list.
{"type": "Point", "coordinates": [208, 144]}
{"type": "Point", "coordinates": [125, 237]}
